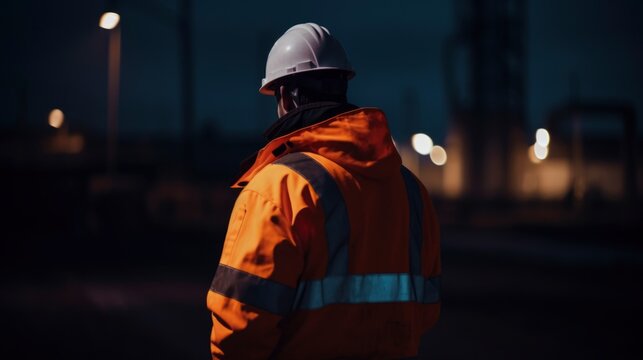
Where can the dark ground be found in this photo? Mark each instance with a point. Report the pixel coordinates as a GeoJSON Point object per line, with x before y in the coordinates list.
{"type": "Point", "coordinates": [508, 294]}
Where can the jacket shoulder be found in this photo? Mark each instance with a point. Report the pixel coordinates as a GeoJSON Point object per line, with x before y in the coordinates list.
{"type": "Point", "coordinates": [283, 186]}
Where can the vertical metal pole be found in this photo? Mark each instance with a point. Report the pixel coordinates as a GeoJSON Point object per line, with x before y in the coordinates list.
{"type": "Point", "coordinates": [187, 83]}
{"type": "Point", "coordinates": [577, 155]}
{"type": "Point", "coordinates": [113, 84]}
{"type": "Point", "coordinates": [629, 160]}
{"type": "Point", "coordinates": [578, 176]}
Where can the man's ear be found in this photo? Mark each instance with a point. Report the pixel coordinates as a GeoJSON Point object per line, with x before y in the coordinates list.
{"type": "Point", "coordinates": [286, 99]}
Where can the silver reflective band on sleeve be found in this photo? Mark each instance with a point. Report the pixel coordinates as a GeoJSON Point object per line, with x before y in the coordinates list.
{"type": "Point", "coordinates": [371, 288]}
{"type": "Point", "coordinates": [253, 290]}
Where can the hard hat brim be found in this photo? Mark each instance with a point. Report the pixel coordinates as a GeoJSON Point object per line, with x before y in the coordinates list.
{"type": "Point", "coordinates": [268, 87]}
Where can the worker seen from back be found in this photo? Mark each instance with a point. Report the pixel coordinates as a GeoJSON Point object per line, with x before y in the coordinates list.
{"type": "Point", "coordinates": [332, 249]}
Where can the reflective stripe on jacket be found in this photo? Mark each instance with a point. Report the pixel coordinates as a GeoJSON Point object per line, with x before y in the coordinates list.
{"type": "Point", "coordinates": [332, 250]}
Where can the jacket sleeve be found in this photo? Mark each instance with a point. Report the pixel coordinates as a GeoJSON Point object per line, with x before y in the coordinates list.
{"type": "Point", "coordinates": [254, 285]}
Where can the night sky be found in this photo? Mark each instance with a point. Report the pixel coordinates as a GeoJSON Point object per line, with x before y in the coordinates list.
{"type": "Point", "coordinates": [55, 55]}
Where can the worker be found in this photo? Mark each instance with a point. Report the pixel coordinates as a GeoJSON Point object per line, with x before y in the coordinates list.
{"type": "Point", "coordinates": [332, 249]}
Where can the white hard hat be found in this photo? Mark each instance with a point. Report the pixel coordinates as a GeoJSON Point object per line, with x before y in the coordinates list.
{"type": "Point", "coordinates": [303, 48]}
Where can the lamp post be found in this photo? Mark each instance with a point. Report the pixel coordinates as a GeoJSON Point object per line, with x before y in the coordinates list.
{"type": "Point", "coordinates": [110, 21]}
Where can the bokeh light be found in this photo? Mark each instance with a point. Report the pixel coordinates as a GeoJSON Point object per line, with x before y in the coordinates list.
{"type": "Point", "coordinates": [438, 155]}
{"type": "Point", "coordinates": [56, 118]}
{"type": "Point", "coordinates": [532, 155]}
{"type": "Point", "coordinates": [542, 137]}
{"type": "Point", "coordinates": [540, 151]}
{"type": "Point", "coordinates": [422, 143]}
{"type": "Point", "coordinates": [109, 20]}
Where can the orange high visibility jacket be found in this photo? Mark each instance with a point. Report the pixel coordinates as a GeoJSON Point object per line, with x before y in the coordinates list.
{"type": "Point", "coordinates": [332, 250]}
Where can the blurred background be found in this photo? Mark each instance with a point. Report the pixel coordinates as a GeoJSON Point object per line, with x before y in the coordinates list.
{"type": "Point", "coordinates": [123, 124]}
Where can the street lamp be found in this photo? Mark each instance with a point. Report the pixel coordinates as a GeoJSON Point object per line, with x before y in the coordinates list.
{"type": "Point", "coordinates": [109, 21]}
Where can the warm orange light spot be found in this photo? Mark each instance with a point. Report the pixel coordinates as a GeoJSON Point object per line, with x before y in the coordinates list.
{"type": "Point", "coordinates": [56, 118]}
{"type": "Point", "coordinates": [438, 155]}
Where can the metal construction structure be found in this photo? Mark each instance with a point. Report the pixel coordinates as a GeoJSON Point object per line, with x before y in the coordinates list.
{"type": "Point", "coordinates": [622, 113]}
{"type": "Point", "coordinates": [487, 105]}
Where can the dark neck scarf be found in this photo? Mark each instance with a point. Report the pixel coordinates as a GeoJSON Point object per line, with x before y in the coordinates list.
{"type": "Point", "coordinates": [304, 116]}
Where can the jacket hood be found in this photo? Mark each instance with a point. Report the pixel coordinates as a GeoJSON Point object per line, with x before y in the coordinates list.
{"type": "Point", "coordinates": [358, 140]}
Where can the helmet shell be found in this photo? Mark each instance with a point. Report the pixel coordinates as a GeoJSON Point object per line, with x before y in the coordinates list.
{"type": "Point", "coordinates": [303, 48]}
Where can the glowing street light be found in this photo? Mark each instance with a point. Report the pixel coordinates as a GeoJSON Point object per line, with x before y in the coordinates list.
{"type": "Point", "coordinates": [109, 20]}
{"type": "Point", "coordinates": [542, 137]}
{"type": "Point", "coordinates": [422, 143]}
{"type": "Point", "coordinates": [56, 118]}
{"type": "Point", "coordinates": [438, 155]}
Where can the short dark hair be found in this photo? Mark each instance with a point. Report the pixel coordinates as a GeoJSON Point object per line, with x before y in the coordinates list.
{"type": "Point", "coordinates": [316, 86]}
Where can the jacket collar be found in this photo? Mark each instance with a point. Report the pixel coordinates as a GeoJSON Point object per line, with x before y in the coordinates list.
{"type": "Point", "coordinates": [358, 139]}
{"type": "Point", "coordinates": [302, 117]}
